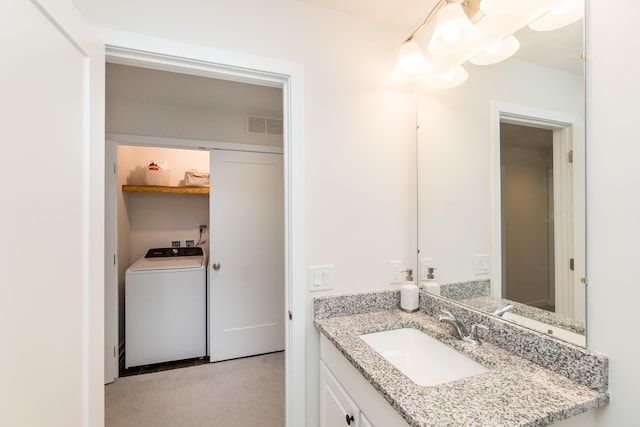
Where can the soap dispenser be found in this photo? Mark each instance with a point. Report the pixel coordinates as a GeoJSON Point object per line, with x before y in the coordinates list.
{"type": "Point", "coordinates": [409, 294]}
{"type": "Point", "coordinates": [430, 285]}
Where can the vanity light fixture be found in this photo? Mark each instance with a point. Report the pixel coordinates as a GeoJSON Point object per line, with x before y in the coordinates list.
{"type": "Point", "coordinates": [451, 78]}
{"type": "Point", "coordinates": [411, 63]}
{"type": "Point", "coordinates": [453, 28]}
{"type": "Point", "coordinates": [497, 52]}
{"type": "Point", "coordinates": [562, 15]}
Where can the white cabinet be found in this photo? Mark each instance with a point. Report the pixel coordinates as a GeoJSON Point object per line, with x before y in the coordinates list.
{"type": "Point", "coordinates": [336, 407]}
{"type": "Point", "coordinates": [345, 392]}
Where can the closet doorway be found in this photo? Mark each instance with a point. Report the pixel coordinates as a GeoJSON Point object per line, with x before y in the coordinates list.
{"type": "Point", "coordinates": [149, 108]}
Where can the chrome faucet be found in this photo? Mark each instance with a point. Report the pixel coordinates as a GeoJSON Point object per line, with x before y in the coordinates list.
{"type": "Point", "coordinates": [462, 333]}
{"type": "Point", "coordinates": [503, 310]}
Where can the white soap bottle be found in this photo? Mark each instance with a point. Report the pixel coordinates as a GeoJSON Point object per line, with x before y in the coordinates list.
{"type": "Point", "coordinates": [430, 285]}
{"type": "Point", "coordinates": [409, 294]}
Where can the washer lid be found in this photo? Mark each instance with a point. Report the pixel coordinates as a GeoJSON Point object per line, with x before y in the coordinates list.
{"type": "Point", "coordinates": [168, 263]}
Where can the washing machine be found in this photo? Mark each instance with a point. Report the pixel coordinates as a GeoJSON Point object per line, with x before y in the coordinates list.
{"type": "Point", "coordinates": [166, 306]}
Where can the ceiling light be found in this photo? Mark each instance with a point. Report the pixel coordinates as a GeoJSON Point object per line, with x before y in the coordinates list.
{"type": "Point", "coordinates": [497, 52]}
{"type": "Point", "coordinates": [498, 7]}
{"type": "Point", "coordinates": [411, 63]}
{"type": "Point", "coordinates": [452, 28]}
{"type": "Point", "coordinates": [560, 16]}
{"type": "Point", "coordinates": [450, 79]}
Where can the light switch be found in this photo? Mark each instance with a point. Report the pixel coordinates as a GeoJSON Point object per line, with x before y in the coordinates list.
{"type": "Point", "coordinates": [326, 278]}
{"type": "Point", "coordinates": [317, 278]}
{"type": "Point", "coordinates": [320, 277]}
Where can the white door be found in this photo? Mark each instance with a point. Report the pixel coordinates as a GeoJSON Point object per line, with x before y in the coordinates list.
{"type": "Point", "coordinates": [51, 216]}
{"type": "Point", "coordinates": [246, 263]}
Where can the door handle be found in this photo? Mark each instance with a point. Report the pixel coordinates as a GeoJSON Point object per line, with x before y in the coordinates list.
{"type": "Point", "coordinates": [216, 266]}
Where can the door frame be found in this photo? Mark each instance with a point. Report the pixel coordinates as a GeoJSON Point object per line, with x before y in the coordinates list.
{"type": "Point", "coordinates": [561, 124]}
{"type": "Point", "coordinates": [148, 52]}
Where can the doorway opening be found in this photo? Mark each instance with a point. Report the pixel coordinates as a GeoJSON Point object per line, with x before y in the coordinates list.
{"type": "Point", "coordinates": [128, 49]}
{"type": "Point", "coordinates": [527, 210]}
{"type": "Point", "coordinates": [161, 123]}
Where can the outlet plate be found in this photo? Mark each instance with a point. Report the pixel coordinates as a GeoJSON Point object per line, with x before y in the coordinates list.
{"type": "Point", "coordinates": [481, 264]}
{"type": "Point", "coordinates": [425, 263]}
{"type": "Point", "coordinates": [395, 272]}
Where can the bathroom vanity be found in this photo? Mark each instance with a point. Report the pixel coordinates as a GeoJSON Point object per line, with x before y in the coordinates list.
{"type": "Point", "coordinates": [530, 379]}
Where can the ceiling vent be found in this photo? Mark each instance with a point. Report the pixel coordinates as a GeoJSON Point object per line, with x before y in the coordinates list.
{"type": "Point", "coordinates": [264, 125]}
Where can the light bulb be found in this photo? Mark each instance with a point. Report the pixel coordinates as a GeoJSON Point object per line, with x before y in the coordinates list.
{"type": "Point", "coordinates": [452, 28]}
{"type": "Point", "coordinates": [411, 63]}
{"type": "Point", "coordinates": [451, 35]}
{"type": "Point", "coordinates": [449, 79]}
{"type": "Point", "coordinates": [497, 52]}
{"type": "Point", "coordinates": [562, 15]}
{"type": "Point", "coordinates": [448, 75]}
{"type": "Point", "coordinates": [563, 8]}
{"type": "Point", "coordinates": [494, 48]}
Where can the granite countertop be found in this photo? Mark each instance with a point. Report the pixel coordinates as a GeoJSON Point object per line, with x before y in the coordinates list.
{"type": "Point", "coordinates": [515, 391]}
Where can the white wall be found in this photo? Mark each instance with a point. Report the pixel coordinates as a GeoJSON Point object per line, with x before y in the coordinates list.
{"type": "Point", "coordinates": [455, 155]}
{"type": "Point", "coordinates": [141, 101]}
{"type": "Point", "coordinates": [358, 131]}
{"type": "Point", "coordinates": [613, 202]}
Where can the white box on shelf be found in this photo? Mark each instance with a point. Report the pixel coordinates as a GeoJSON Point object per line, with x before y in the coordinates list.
{"type": "Point", "coordinates": [156, 177]}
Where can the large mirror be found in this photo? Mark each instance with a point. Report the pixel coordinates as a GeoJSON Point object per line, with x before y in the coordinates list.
{"type": "Point", "coordinates": [501, 185]}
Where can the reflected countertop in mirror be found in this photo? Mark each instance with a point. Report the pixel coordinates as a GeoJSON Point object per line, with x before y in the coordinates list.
{"type": "Point", "coordinates": [476, 294]}
{"type": "Point", "coordinates": [461, 188]}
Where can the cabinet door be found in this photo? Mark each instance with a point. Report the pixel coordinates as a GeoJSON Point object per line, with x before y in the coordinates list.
{"type": "Point", "coordinates": [336, 407]}
{"type": "Point", "coordinates": [364, 422]}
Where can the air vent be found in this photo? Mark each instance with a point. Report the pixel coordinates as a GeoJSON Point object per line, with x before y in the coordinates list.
{"type": "Point", "coordinates": [264, 125]}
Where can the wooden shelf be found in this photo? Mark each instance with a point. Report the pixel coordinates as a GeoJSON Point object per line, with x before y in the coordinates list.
{"type": "Point", "coordinates": [163, 189]}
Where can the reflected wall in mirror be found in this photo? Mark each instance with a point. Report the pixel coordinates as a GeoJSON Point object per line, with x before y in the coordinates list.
{"type": "Point", "coordinates": [476, 146]}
